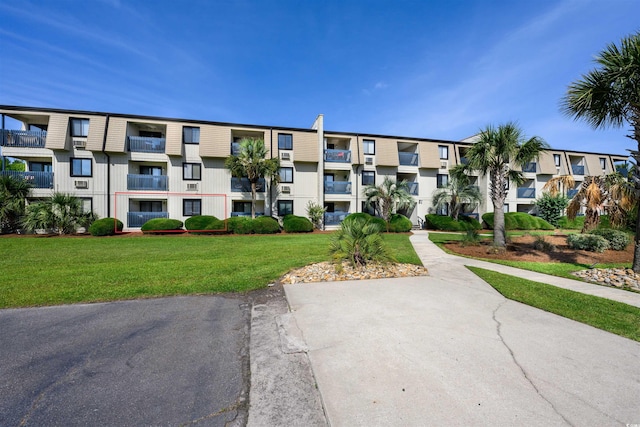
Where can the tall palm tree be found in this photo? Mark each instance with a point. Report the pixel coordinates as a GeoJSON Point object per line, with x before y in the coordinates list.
{"type": "Point", "coordinates": [609, 96]}
{"type": "Point", "coordinates": [388, 197]}
{"type": "Point", "coordinates": [252, 163]}
{"type": "Point", "coordinates": [494, 154]}
{"type": "Point", "coordinates": [457, 193]}
{"type": "Point", "coordinates": [13, 196]}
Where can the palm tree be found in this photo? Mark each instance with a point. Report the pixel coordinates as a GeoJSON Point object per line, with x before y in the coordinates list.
{"type": "Point", "coordinates": [457, 193]}
{"type": "Point", "coordinates": [388, 197]}
{"type": "Point", "coordinates": [497, 150]}
{"type": "Point", "coordinates": [62, 213]}
{"type": "Point", "coordinates": [609, 96]}
{"type": "Point", "coordinates": [251, 163]}
{"type": "Point", "coordinates": [13, 197]}
{"type": "Point", "coordinates": [358, 241]}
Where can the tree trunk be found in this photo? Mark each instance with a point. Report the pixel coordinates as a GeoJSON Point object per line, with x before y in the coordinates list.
{"type": "Point", "coordinates": [636, 252]}
{"type": "Point", "coordinates": [253, 200]}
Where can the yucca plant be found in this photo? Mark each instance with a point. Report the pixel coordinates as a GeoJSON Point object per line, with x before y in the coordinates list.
{"type": "Point", "coordinates": [359, 242]}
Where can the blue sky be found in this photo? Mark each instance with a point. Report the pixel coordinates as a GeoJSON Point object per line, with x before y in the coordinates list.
{"type": "Point", "coordinates": [431, 69]}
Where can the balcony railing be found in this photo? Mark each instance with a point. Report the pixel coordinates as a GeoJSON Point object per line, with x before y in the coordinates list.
{"type": "Point", "coordinates": [577, 169]}
{"type": "Point", "coordinates": [337, 187]}
{"type": "Point", "coordinates": [37, 179]}
{"type": "Point", "coordinates": [137, 219]}
{"type": "Point", "coordinates": [408, 159]}
{"type": "Point", "coordinates": [235, 148]}
{"type": "Point", "coordinates": [243, 185]}
{"type": "Point", "coordinates": [147, 182]}
{"type": "Point", "coordinates": [529, 167]}
{"type": "Point", "coordinates": [145, 144]}
{"type": "Point", "coordinates": [333, 218]}
{"type": "Point", "coordinates": [571, 193]}
{"type": "Point", "coordinates": [24, 138]}
{"type": "Point", "coordinates": [526, 193]}
{"type": "Point", "coordinates": [413, 188]}
{"type": "Point", "coordinates": [246, 214]}
{"type": "Point", "coordinates": [339, 156]}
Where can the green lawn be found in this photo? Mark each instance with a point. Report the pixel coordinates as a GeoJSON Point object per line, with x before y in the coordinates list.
{"type": "Point", "coordinates": [612, 316]}
{"type": "Point", "coordinates": [39, 271]}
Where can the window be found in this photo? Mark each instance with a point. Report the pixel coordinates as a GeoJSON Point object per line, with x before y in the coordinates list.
{"type": "Point", "coordinates": [286, 175]}
{"type": "Point", "coordinates": [150, 206]}
{"type": "Point", "coordinates": [285, 207]}
{"type": "Point", "coordinates": [79, 127]}
{"type": "Point", "coordinates": [191, 207]}
{"type": "Point", "coordinates": [87, 204]}
{"type": "Point", "coordinates": [191, 171]}
{"type": "Point", "coordinates": [285, 141]}
{"type": "Point", "coordinates": [40, 167]}
{"type": "Point", "coordinates": [80, 167]}
{"type": "Point", "coordinates": [190, 135]}
{"type": "Point", "coordinates": [368, 178]}
{"type": "Point", "coordinates": [442, 180]}
{"type": "Point", "coordinates": [505, 208]}
{"type": "Point", "coordinates": [603, 163]}
{"type": "Point", "coordinates": [556, 159]}
{"type": "Point", "coordinates": [242, 207]}
{"type": "Point", "coordinates": [368, 208]}
{"type": "Point", "coordinates": [444, 152]}
{"type": "Point", "coordinates": [442, 210]}
{"type": "Point", "coordinates": [150, 170]}
{"type": "Point", "coordinates": [369, 146]}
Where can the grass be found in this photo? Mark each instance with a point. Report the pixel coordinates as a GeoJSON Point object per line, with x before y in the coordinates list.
{"type": "Point", "coordinates": [39, 271]}
{"type": "Point", "coordinates": [611, 316]}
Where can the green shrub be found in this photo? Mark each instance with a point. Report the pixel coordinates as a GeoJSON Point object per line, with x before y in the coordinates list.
{"type": "Point", "coordinates": [578, 222]}
{"type": "Point", "coordinates": [550, 207]}
{"type": "Point", "coordinates": [400, 224]}
{"type": "Point", "coordinates": [446, 223]}
{"type": "Point", "coordinates": [359, 242]}
{"type": "Point", "coordinates": [367, 217]}
{"type": "Point", "coordinates": [471, 238]}
{"type": "Point", "coordinates": [105, 227]}
{"type": "Point", "coordinates": [618, 240]}
{"type": "Point", "coordinates": [541, 244]}
{"type": "Point", "coordinates": [297, 224]}
{"type": "Point", "coordinates": [519, 221]}
{"type": "Point", "coordinates": [587, 242]}
{"type": "Point", "coordinates": [158, 225]}
{"type": "Point", "coordinates": [204, 222]}
{"type": "Point", "coordinates": [265, 225]}
{"type": "Point", "coordinates": [240, 225]}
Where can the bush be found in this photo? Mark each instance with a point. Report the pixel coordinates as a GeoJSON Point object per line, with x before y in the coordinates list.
{"type": "Point", "coordinates": [265, 225]}
{"type": "Point", "coordinates": [400, 224]}
{"type": "Point", "coordinates": [105, 227]}
{"type": "Point", "coordinates": [367, 217]}
{"type": "Point", "coordinates": [618, 240]}
{"type": "Point", "coordinates": [587, 242]}
{"type": "Point", "coordinates": [540, 244]}
{"type": "Point", "coordinates": [446, 223]}
{"type": "Point", "coordinates": [550, 207]}
{"type": "Point", "coordinates": [240, 225]}
{"type": "Point", "coordinates": [159, 225]}
{"type": "Point", "coordinates": [204, 222]}
{"type": "Point", "coordinates": [519, 221]}
{"type": "Point", "coordinates": [471, 238]}
{"type": "Point", "coordinates": [297, 224]}
{"type": "Point", "coordinates": [359, 242]}
{"type": "Point", "coordinates": [578, 222]}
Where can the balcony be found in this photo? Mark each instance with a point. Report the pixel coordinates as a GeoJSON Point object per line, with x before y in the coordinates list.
{"type": "Point", "coordinates": [147, 182]}
{"type": "Point", "coordinates": [530, 167]}
{"type": "Point", "coordinates": [413, 188]}
{"type": "Point", "coordinates": [577, 169]}
{"type": "Point", "coordinates": [571, 193]}
{"type": "Point", "coordinates": [337, 187]}
{"type": "Point", "coordinates": [408, 159]}
{"type": "Point", "coordinates": [24, 138]}
{"type": "Point", "coordinates": [526, 193]}
{"type": "Point", "coordinates": [242, 185]}
{"type": "Point", "coordinates": [338, 156]}
{"type": "Point", "coordinates": [334, 218]}
{"type": "Point", "coordinates": [235, 148]}
{"type": "Point", "coordinates": [36, 179]}
{"type": "Point", "coordinates": [145, 144]}
{"type": "Point", "coordinates": [137, 219]}
{"type": "Point", "coordinates": [246, 214]}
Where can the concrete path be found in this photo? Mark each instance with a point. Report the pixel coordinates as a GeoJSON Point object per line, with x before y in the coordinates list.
{"type": "Point", "coordinates": [447, 349]}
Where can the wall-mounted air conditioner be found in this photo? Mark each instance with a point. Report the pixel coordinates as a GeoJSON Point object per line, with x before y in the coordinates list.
{"type": "Point", "coordinates": [79, 143]}
{"type": "Point", "coordinates": [368, 160]}
{"type": "Point", "coordinates": [192, 186]}
{"type": "Point", "coordinates": [81, 183]}
{"type": "Point", "coordinates": [444, 164]}
{"type": "Point", "coordinates": [285, 189]}
{"type": "Point", "coordinates": [285, 156]}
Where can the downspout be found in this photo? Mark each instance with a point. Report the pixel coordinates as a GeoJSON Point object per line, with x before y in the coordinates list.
{"type": "Point", "coordinates": [270, 182]}
{"type": "Point", "coordinates": [104, 147]}
{"type": "Point", "coordinates": [2, 145]}
{"type": "Point", "coordinates": [358, 166]}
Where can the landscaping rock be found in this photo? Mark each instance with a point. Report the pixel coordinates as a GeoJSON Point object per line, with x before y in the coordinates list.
{"type": "Point", "coordinates": [328, 272]}
{"type": "Point", "coordinates": [616, 277]}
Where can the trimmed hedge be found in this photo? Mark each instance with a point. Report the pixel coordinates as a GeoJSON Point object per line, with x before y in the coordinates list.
{"type": "Point", "coordinates": [159, 225]}
{"type": "Point", "coordinates": [400, 224]}
{"type": "Point", "coordinates": [618, 240]}
{"type": "Point", "coordinates": [297, 224]}
{"type": "Point", "coordinates": [105, 227]}
{"type": "Point", "coordinates": [367, 217]}
{"type": "Point", "coordinates": [240, 225]}
{"type": "Point", "coordinates": [519, 221]}
{"type": "Point", "coordinates": [204, 222]}
{"type": "Point", "coordinates": [265, 225]}
{"type": "Point", "coordinates": [446, 223]}
{"type": "Point", "coordinates": [578, 222]}
{"type": "Point", "coordinates": [587, 242]}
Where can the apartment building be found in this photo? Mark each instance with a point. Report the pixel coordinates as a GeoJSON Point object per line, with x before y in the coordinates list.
{"type": "Point", "coordinates": [136, 168]}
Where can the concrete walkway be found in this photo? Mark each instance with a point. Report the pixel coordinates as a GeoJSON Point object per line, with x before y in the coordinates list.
{"type": "Point", "coordinates": [447, 349]}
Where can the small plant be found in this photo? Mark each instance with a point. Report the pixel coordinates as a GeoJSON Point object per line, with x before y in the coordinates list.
{"type": "Point", "coordinates": [160, 225]}
{"type": "Point", "coordinates": [470, 238]}
{"type": "Point", "coordinates": [203, 222]}
{"type": "Point", "coordinates": [240, 225]}
{"type": "Point", "coordinates": [542, 245]}
{"type": "Point", "coordinates": [618, 240]}
{"type": "Point", "coordinates": [62, 213]}
{"type": "Point", "coordinates": [265, 225]}
{"type": "Point", "coordinates": [400, 224]}
{"type": "Point", "coordinates": [296, 224]}
{"type": "Point", "coordinates": [315, 212]}
{"type": "Point", "coordinates": [105, 227]}
{"type": "Point", "coordinates": [359, 242]}
{"type": "Point", "coordinates": [587, 242]}
{"type": "Point", "coordinates": [550, 207]}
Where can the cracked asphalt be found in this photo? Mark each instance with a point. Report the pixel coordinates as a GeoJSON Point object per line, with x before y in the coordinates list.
{"type": "Point", "coordinates": [170, 361]}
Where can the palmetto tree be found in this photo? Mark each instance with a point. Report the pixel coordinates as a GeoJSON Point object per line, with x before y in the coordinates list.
{"type": "Point", "coordinates": [388, 197]}
{"type": "Point", "coordinates": [609, 96]}
{"type": "Point", "coordinates": [62, 213]}
{"type": "Point", "coordinates": [457, 193]}
{"type": "Point", "coordinates": [13, 196]}
{"type": "Point", "coordinates": [358, 241]}
{"type": "Point", "coordinates": [252, 163]}
{"type": "Point", "coordinates": [494, 154]}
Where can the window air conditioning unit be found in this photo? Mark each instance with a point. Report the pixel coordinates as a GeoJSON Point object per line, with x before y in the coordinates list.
{"type": "Point", "coordinates": [444, 165]}
{"type": "Point", "coordinates": [286, 189]}
{"type": "Point", "coordinates": [557, 170]}
{"type": "Point", "coordinates": [192, 186]}
{"type": "Point", "coordinates": [81, 183]}
{"type": "Point", "coordinates": [368, 160]}
{"type": "Point", "coordinates": [79, 143]}
{"type": "Point", "coordinates": [285, 156]}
